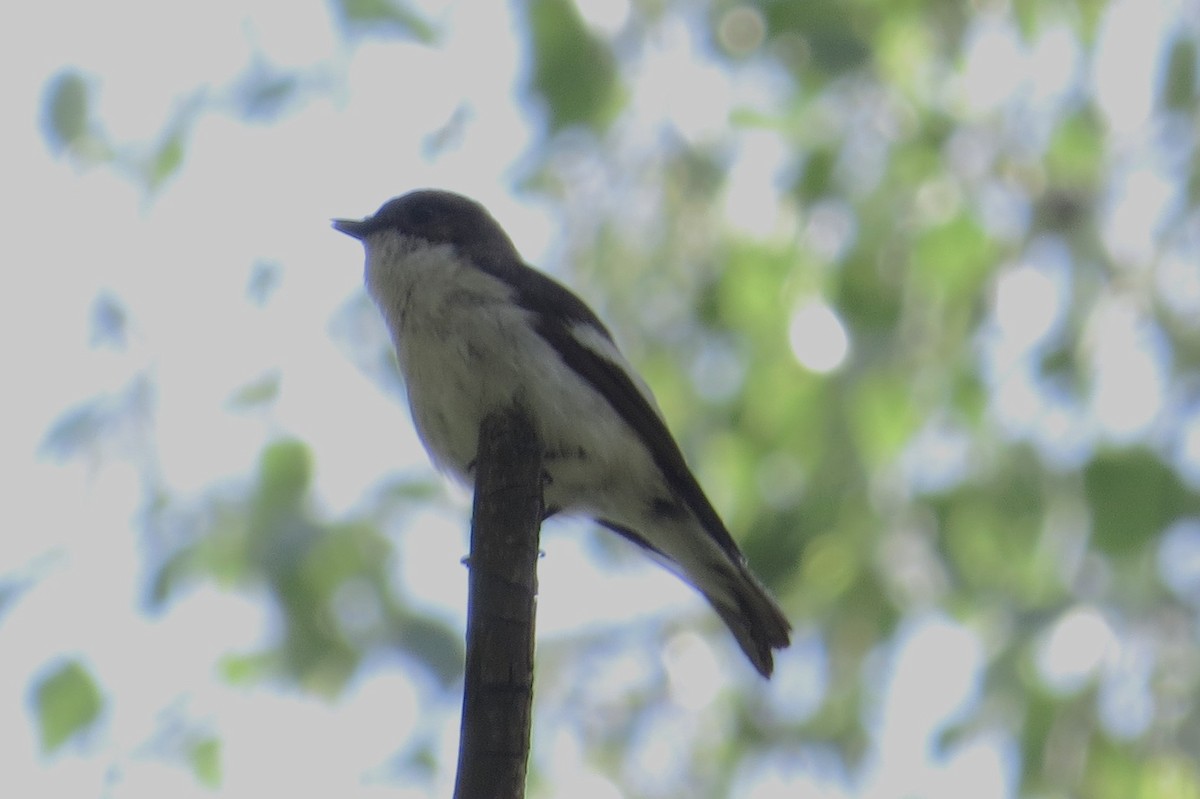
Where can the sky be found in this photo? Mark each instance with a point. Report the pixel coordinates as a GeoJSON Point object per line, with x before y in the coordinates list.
{"type": "Point", "coordinates": [247, 194]}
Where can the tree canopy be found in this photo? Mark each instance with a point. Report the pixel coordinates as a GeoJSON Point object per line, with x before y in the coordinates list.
{"type": "Point", "coordinates": [916, 285]}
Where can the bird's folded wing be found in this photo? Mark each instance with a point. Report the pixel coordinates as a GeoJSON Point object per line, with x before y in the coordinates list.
{"type": "Point", "coordinates": [583, 343]}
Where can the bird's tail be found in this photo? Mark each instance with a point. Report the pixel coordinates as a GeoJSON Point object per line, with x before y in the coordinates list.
{"type": "Point", "coordinates": [741, 601]}
{"type": "Point", "coordinates": [750, 613]}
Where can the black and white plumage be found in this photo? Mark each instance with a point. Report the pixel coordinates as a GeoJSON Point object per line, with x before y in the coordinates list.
{"type": "Point", "coordinates": [475, 329]}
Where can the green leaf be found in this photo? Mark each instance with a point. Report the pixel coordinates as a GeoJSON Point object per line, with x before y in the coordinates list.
{"type": "Point", "coordinates": [1026, 14]}
{"type": "Point", "coordinates": [65, 111]}
{"type": "Point", "coordinates": [1170, 775]}
{"type": "Point", "coordinates": [205, 757]}
{"type": "Point", "coordinates": [868, 294]}
{"type": "Point", "coordinates": [1133, 496]}
{"type": "Point", "coordinates": [68, 702]}
{"type": "Point", "coordinates": [386, 17]}
{"type": "Point", "coordinates": [1039, 713]}
{"type": "Point", "coordinates": [816, 178]}
{"type": "Point", "coordinates": [168, 576]}
{"type": "Point", "coordinates": [1076, 153]}
{"type": "Point", "coordinates": [833, 36]}
{"type": "Point", "coordinates": [954, 259]}
{"type": "Point", "coordinates": [884, 416]}
{"type": "Point", "coordinates": [1113, 772]}
{"type": "Point", "coordinates": [285, 470]}
{"type": "Point", "coordinates": [167, 159]}
{"type": "Point", "coordinates": [990, 529]}
{"type": "Point", "coordinates": [574, 72]}
{"type": "Point", "coordinates": [1179, 86]}
{"type": "Point", "coordinates": [1089, 14]}
{"type": "Point", "coordinates": [247, 669]}
{"type": "Point", "coordinates": [748, 294]}
{"type": "Point", "coordinates": [830, 568]}
{"type": "Point", "coordinates": [261, 391]}
{"type": "Point", "coordinates": [904, 49]}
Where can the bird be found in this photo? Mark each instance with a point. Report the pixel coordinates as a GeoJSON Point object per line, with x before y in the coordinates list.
{"type": "Point", "coordinates": [475, 329]}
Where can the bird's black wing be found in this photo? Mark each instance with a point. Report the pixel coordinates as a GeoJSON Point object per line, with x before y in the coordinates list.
{"type": "Point", "coordinates": [557, 312]}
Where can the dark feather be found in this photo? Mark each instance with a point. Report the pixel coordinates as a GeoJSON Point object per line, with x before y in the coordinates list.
{"type": "Point", "coordinates": [558, 310]}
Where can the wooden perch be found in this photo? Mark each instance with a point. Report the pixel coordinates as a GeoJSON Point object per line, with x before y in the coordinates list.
{"type": "Point", "coordinates": [498, 684]}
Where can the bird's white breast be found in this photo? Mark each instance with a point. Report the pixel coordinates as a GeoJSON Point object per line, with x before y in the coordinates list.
{"type": "Point", "coordinates": [465, 347]}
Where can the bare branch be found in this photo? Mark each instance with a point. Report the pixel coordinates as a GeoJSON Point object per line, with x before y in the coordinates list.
{"type": "Point", "coordinates": [498, 688]}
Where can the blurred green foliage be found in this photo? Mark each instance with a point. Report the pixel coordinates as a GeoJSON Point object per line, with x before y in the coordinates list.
{"type": "Point", "coordinates": [825, 475]}
{"type": "Point", "coordinates": [574, 72]}
{"type": "Point", "coordinates": [206, 761]}
{"type": "Point", "coordinates": [385, 17]}
{"type": "Point", "coordinates": [66, 115]}
{"type": "Point", "coordinates": [68, 703]}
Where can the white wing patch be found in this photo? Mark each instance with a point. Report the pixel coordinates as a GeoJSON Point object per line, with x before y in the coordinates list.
{"type": "Point", "coordinates": [599, 344]}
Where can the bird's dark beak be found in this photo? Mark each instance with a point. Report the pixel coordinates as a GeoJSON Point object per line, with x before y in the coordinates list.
{"type": "Point", "coordinates": [355, 228]}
